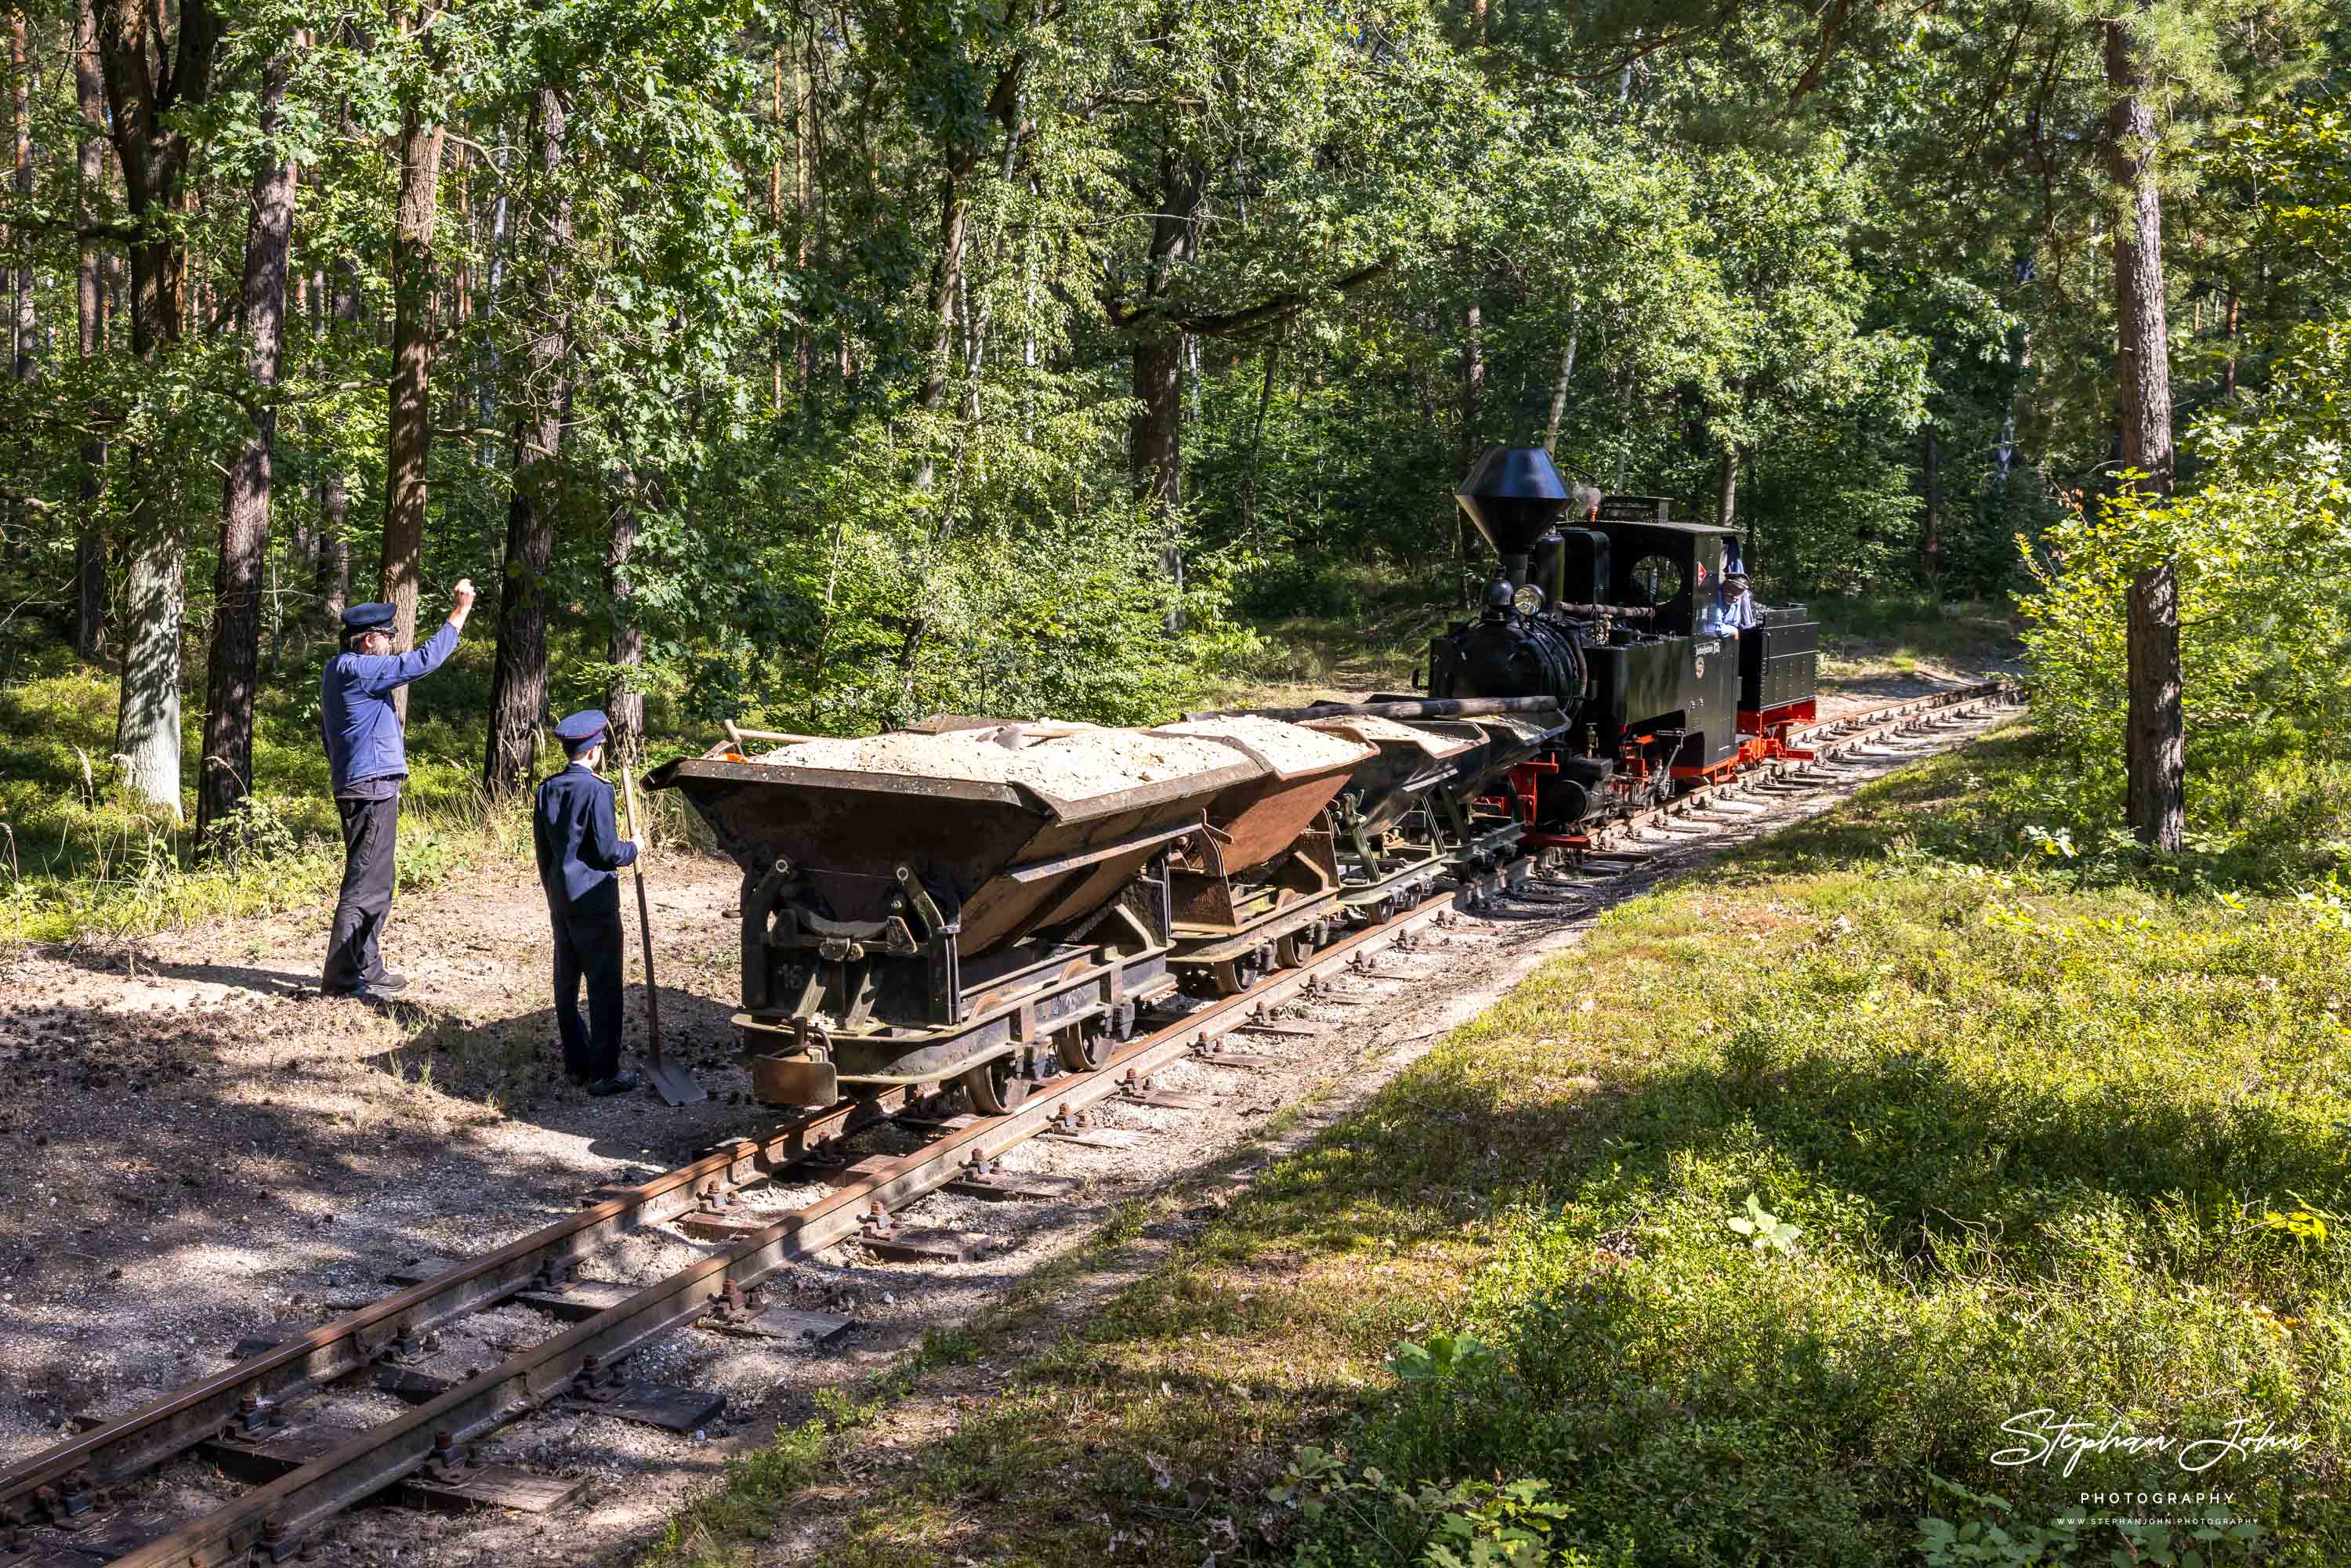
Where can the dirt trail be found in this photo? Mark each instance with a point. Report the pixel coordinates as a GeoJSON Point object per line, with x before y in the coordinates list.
{"type": "Point", "coordinates": [198, 1146]}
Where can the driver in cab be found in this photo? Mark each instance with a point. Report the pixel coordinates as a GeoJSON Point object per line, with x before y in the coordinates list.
{"type": "Point", "coordinates": [1732, 611]}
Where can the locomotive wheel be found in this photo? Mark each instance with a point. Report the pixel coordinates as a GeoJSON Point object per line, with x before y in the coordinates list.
{"type": "Point", "coordinates": [995, 1087]}
{"type": "Point", "coordinates": [1084, 1047]}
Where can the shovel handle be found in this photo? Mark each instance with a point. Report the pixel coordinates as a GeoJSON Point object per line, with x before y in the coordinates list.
{"type": "Point", "coordinates": [644, 923]}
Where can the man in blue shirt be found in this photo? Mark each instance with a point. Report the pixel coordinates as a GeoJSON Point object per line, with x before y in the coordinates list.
{"type": "Point", "coordinates": [1733, 611]}
{"type": "Point", "coordinates": [578, 849]}
{"type": "Point", "coordinates": [367, 759]}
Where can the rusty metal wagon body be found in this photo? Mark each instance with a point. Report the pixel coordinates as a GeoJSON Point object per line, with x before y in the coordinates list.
{"type": "Point", "coordinates": [906, 928]}
{"type": "Point", "coordinates": [1390, 853]}
{"type": "Point", "coordinates": [1258, 888]}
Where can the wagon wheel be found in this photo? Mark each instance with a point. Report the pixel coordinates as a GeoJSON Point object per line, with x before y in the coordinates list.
{"type": "Point", "coordinates": [1235, 976]}
{"type": "Point", "coordinates": [1291, 950]}
{"type": "Point", "coordinates": [995, 1087]}
{"type": "Point", "coordinates": [1084, 1047]}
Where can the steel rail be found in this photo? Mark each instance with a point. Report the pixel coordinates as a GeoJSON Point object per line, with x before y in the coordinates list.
{"type": "Point", "coordinates": [275, 1517]}
{"type": "Point", "coordinates": [1850, 730]}
{"type": "Point", "coordinates": [128, 1445]}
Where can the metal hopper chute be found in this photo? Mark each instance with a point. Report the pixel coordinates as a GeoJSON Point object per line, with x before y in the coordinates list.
{"type": "Point", "coordinates": [1257, 886]}
{"type": "Point", "coordinates": [1480, 830]}
{"type": "Point", "coordinates": [921, 905]}
{"type": "Point", "coordinates": [1388, 840]}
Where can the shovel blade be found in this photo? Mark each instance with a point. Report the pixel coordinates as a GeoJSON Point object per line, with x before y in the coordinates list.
{"type": "Point", "coordinates": [674, 1084]}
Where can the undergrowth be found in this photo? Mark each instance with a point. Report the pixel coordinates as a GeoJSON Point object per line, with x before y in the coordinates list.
{"type": "Point", "coordinates": [77, 861]}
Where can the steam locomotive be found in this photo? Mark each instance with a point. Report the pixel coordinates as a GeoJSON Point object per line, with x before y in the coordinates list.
{"type": "Point", "coordinates": [993, 902]}
{"type": "Point", "coordinates": [1597, 601]}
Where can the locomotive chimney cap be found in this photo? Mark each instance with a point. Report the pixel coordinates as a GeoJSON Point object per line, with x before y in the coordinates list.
{"type": "Point", "coordinates": [1515, 496]}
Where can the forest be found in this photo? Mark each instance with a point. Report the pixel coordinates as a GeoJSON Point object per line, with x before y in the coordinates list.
{"type": "Point", "coordinates": [819, 365]}
{"type": "Point", "coordinates": [825, 366]}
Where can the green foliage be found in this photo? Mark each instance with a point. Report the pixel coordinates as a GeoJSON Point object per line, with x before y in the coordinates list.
{"type": "Point", "coordinates": [2021, 1127]}
{"type": "Point", "coordinates": [2258, 548]}
{"type": "Point", "coordinates": [1764, 1231]}
{"type": "Point", "coordinates": [1470, 1524]}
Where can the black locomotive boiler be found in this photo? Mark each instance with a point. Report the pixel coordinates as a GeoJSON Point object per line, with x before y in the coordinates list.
{"type": "Point", "coordinates": [1600, 602]}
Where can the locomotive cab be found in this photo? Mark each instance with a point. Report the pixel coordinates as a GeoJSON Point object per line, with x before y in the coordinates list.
{"type": "Point", "coordinates": [1678, 689]}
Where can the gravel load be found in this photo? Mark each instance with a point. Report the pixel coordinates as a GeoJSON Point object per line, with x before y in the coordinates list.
{"type": "Point", "coordinates": [1292, 748]}
{"type": "Point", "coordinates": [1074, 767]}
{"type": "Point", "coordinates": [1376, 731]}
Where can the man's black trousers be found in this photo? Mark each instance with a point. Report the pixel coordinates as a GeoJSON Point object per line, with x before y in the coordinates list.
{"type": "Point", "coordinates": [588, 946]}
{"type": "Point", "coordinates": [371, 830]}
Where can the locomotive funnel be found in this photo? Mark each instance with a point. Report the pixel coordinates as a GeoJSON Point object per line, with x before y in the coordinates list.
{"type": "Point", "coordinates": [1515, 496]}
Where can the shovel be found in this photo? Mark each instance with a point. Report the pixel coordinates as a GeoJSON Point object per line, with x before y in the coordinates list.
{"type": "Point", "coordinates": [675, 1084]}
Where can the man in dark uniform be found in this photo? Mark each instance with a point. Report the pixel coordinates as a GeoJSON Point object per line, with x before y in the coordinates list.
{"type": "Point", "coordinates": [366, 754]}
{"type": "Point", "coordinates": [578, 851]}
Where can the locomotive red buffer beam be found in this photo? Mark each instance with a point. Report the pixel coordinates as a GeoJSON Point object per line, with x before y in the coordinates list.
{"type": "Point", "coordinates": [1525, 783]}
{"type": "Point", "coordinates": [1767, 731]}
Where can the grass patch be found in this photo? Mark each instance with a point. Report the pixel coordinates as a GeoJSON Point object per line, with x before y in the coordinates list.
{"type": "Point", "coordinates": [1881, 635]}
{"type": "Point", "coordinates": [1750, 1231]}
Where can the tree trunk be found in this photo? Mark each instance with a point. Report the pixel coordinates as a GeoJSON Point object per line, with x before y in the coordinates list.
{"type": "Point", "coordinates": [803, 106]}
{"type": "Point", "coordinates": [1473, 387]}
{"type": "Point", "coordinates": [1156, 446]}
{"type": "Point", "coordinates": [1930, 534]}
{"type": "Point", "coordinates": [947, 272]}
{"type": "Point", "coordinates": [775, 221]}
{"type": "Point", "coordinates": [226, 775]}
{"type": "Point", "coordinates": [1257, 440]}
{"type": "Point", "coordinates": [147, 729]}
{"type": "Point", "coordinates": [2229, 366]}
{"type": "Point", "coordinates": [1725, 487]}
{"type": "Point", "coordinates": [145, 116]}
{"type": "Point", "coordinates": [518, 680]}
{"type": "Point", "coordinates": [27, 333]}
{"type": "Point", "coordinates": [1559, 388]}
{"type": "Point", "coordinates": [2157, 747]}
{"type": "Point", "coordinates": [624, 704]}
{"type": "Point", "coordinates": [408, 440]}
{"type": "Point", "coordinates": [90, 305]}
{"type": "Point", "coordinates": [330, 585]}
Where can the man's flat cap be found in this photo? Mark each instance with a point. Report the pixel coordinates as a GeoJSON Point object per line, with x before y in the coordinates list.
{"type": "Point", "coordinates": [368, 617]}
{"type": "Point", "coordinates": [583, 729]}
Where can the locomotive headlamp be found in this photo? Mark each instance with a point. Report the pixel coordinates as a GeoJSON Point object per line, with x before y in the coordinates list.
{"type": "Point", "coordinates": [1528, 600]}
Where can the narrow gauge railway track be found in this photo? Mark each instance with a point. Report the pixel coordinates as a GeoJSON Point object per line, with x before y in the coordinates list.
{"type": "Point", "coordinates": [49, 1505]}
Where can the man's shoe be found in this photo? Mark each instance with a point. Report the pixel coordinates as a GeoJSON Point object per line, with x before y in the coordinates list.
{"type": "Point", "coordinates": [619, 1084]}
{"type": "Point", "coordinates": [387, 981]}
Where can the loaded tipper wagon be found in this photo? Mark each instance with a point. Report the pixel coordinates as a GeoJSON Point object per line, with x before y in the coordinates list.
{"type": "Point", "coordinates": [979, 905]}
{"type": "Point", "coordinates": [1258, 887]}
